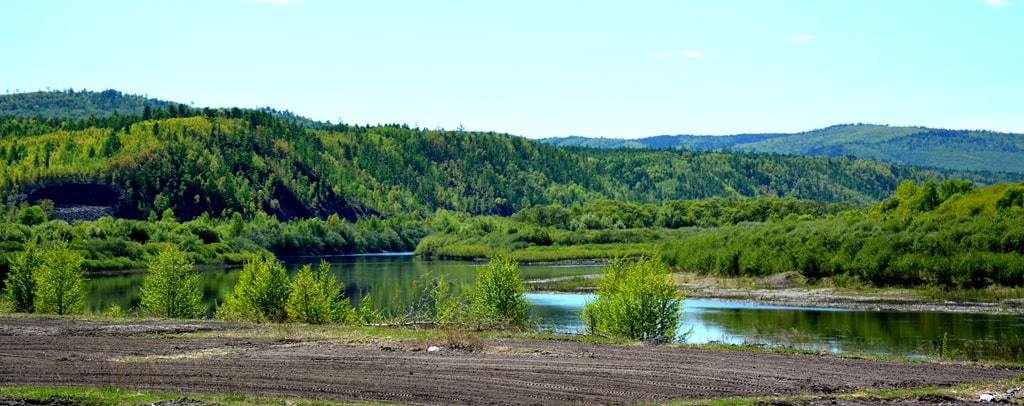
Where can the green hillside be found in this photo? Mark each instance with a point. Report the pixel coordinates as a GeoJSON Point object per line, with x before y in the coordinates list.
{"type": "Point", "coordinates": [958, 150]}
{"type": "Point", "coordinates": [226, 161]}
{"type": "Point", "coordinates": [70, 104]}
{"type": "Point", "coordinates": [938, 148]}
{"type": "Point", "coordinates": [577, 141]}
{"type": "Point", "coordinates": [228, 183]}
{"type": "Point", "coordinates": [949, 235]}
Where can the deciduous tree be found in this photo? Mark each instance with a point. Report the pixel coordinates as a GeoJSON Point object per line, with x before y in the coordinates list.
{"type": "Point", "coordinates": [316, 297]}
{"type": "Point", "coordinates": [635, 300]}
{"type": "Point", "coordinates": [499, 294]}
{"type": "Point", "coordinates": [60, 282]}
{"type": "Point", "coordinates": [171, 287]}
{"type": "Point", "coordinates": [20, 282]}
{"type": "Point", "coordinates": [261, 294]}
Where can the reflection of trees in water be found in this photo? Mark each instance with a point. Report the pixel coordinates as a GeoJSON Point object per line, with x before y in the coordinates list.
{"type": "Point", "coordinates": [899, 333]}
{"type": "Point", "coordinates": [392, 282]}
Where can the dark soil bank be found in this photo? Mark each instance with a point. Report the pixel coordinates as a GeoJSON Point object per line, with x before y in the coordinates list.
{"type": "Point", "coordinates": [66, 352]}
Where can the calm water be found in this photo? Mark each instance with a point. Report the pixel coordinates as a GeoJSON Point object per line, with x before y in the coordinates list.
{"type": "Point", "coordinates": [822, 329]}
{"type": "Point", "coordinates": [392, 281]}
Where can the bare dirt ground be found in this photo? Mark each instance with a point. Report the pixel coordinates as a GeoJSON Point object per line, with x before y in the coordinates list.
{"type": "Point", "coordinates": [140, 355]}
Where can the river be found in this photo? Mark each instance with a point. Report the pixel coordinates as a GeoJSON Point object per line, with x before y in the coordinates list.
{"type": "Point", "coordinates": [392, 281]}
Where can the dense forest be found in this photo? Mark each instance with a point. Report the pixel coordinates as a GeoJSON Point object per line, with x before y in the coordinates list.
{"type": "Point", "coordinates": [225, 161]}
{"type": "Point", "coordinates": [110, 244]}
{"type": "Point", "coordinates": [69, 104]}
{"type": "Point", "coordinates": [950, 235]}
{"type": "Point", "coordinates": [926, 147]}
{"type": "Point", "coordinates": [224, 184]}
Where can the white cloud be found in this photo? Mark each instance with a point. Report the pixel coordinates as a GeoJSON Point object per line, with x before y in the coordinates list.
{"type": "Point", "coordinates": [673, 54]}
{"type": "Point", "coordinates": [803, 38]}
{"type": "Point", "coordinates": [997, 3]}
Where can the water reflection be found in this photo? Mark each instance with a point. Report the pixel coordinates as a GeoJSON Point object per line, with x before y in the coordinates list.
{"type": "Point", "coordinates": [389, 281]}
{"type": "Point", "coordinates": [396, 282]}
{"type": "Point", "coordinates": [820, 329]}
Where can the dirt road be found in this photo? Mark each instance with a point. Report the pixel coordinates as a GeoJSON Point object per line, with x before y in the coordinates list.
{"type": "Point", "coordinates": [74, 352]}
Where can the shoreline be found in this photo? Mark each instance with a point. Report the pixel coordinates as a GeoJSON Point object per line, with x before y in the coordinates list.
{"type": "Point", "coordinates": [893, 300]}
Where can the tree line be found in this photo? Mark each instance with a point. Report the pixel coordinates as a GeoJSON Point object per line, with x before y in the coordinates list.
{"type": "Point", "coordinates": [949, 235]}
{"type": "Point", "coordinates": [246, 161]}
{"type": "Point", "coordinates": [604, 228]}
{"type": "Point", "coordinates": [636, 299]}
{"type": "Point", "coordinates": [110, 244]}
{"type": "Point", "coordinates": [976, 150]}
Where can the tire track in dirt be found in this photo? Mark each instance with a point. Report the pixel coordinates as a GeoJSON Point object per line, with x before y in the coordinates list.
{"type": "Point", "coordinates": [46, 352]}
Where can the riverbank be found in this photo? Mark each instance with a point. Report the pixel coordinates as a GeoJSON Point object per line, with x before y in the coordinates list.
{"type": "Point", "coordinates": [790, 290]}
{"type": "Point", "coordinates": [893, 300]}
{"type": "Point", "coordinates": [354, 364]}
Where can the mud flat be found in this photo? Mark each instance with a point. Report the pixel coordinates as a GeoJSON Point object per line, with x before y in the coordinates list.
{"type": "Point", "coordinates": [826, 297]}
{"type": "Point", "coordinates": [139, 355]}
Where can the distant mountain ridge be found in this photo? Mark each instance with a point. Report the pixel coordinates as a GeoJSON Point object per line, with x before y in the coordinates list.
{"type": "Point", "coordinates": [71, 104]}
{"type": "Point", "coordinates": [974, 150]}
{"type": "Point", "coordinates": [957, 150]}
{"type": "Point", "coordinates": [83, 104]}
{"type": "Point", "coordinates": [223, 161]}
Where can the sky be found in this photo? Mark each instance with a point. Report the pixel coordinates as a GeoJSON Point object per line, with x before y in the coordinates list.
{"type": "Point", "coordinates": [619, 69]}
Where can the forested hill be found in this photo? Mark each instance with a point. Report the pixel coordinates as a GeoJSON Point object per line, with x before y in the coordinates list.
{"type": "Point", "coordinates": [69, 104]}
{"type": "Point", "coordinates": [223, 161]}
{"type": "Point", "coordinates": [919, 146]}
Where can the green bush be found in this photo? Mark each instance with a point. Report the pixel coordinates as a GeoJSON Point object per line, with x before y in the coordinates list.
{"type": "Point", "coordinates": [20, 282]}
{"type": "Point", "coordinates": [499, 295]}
{"type": "Point", "coordinates": [317, 297]}
{"type": "Point", "coordinates": [171, 288]}
{"type": "Point", "coordinates": [635, 300]}
{"type": "Point", "coordinates": [261, 294]}
{"type": "Point", "coordinates": [439, 300]}
{"type": "Point", "coordinates": [32, 215]}
{"type": "Point", "coordinates": [60, 282]}
{"type": "Point", "coordinates": [448, 307]}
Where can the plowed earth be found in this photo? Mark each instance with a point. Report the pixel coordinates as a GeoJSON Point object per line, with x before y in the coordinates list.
{"type": "Point", "coordinates": [74, 352]}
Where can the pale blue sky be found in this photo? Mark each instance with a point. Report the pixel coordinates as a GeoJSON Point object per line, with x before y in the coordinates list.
{"type": "Point", "coordinates": [543, 68]}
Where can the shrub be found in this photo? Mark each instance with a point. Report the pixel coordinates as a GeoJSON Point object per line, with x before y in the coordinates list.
{"type": "Point", "coordinates": [32, 215]}
{"type": "Point", "coordinates": [114, 312]}
{"type": "Point", "coordinates": [172, 288]}
{"type": "Point", "coordinates": [499, 295]}
{"type": "Point", "coordinates": [317, 297]}
{"type": "Point", "coordinates": [448, 307]}
{"type": "Point", "coordinates": [20, 282]}
{"type": "Point", "coordinates": [261, 294]}
{"type": "Point", "coordinates": [635, 300]}
{"type": "Point", "coordinates": [440, 301]}
{"type": "Point", "coordinates": [60, 282]}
